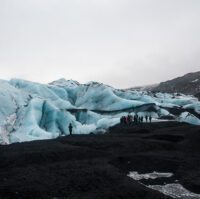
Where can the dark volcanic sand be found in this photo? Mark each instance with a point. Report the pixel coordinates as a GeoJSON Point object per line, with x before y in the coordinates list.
{"type": "Point", "coordinates": [96, 166]}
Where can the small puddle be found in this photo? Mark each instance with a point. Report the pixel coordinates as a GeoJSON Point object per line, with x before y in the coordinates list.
{"type": "Point", "coordinates": [173, 190]}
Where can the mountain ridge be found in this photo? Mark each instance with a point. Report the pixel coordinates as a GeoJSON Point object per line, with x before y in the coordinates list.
{"type": "Point", "coordinates": [187, 84]}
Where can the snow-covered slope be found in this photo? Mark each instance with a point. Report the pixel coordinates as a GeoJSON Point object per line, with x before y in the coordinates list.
{"type": "Point", "coordinates": [31, 111]}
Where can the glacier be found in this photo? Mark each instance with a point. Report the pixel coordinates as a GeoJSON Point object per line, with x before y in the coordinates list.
{"type": "Point", "coordinates": [33, 111]}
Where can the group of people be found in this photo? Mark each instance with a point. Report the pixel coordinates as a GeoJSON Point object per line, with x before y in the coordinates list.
{"type": "Point", "coordinates": [129, 119]}
{"type": "Point", "coordinates": [126, 119]}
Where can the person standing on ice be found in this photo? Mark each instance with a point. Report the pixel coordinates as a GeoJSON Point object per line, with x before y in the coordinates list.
{"type": "Point", "coordinates": [142, 119]}
{"type": "Point", "coordinates": [150, 118]}
{"type": "Point", "coordinates": [136, 118]}
{"type": "Point", "coordinates": [70, 128]}
{"type": "Point", "coordinates": [146, 117]}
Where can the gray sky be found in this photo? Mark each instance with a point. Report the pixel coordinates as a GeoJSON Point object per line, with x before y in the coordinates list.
{"type": "Point", "coordinates": [123, 43]}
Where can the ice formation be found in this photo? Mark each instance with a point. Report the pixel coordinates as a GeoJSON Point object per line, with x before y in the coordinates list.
{"type": "Point", "coordinates": [173, 190]}
{"type": "Point", "coordinates": [188, 118]}
{"type": "Point", "coordinates": [136, 176]}
{"type": "Point", "coordinates": [31, 111]}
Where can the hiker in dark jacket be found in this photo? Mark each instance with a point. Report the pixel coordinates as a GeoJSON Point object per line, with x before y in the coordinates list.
{"type": "Point", "coordinates": [121, 120]}
{"type": "Point", "coordinates": [137, 118]}
{"type": "Point", "coordinates": [146, 118]}
{"type": "Point", "coordinates": [70, 128]}
{"type": "Point", "coordinates": [129, 118]}
{"type": "Point", "coordinates": [150, 118]}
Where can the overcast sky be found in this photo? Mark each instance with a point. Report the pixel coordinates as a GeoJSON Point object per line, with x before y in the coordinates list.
{"type": "Point", "coordinates": [122, 43]}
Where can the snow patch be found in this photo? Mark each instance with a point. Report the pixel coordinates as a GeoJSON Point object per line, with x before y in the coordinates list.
{"type": "Point", "coordinates": [136, 176]}
{"type": "Point", "coordinates": [196, 80]}
{"type": "Point", "coordinates": [175, 191]}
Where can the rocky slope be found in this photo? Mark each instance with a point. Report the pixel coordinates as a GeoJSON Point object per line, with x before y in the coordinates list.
{"type": "Point", "coordinates": [187, 84]}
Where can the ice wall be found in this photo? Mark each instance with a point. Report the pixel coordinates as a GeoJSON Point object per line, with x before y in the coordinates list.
{"type": "Point", "coordinates": [44, 111]}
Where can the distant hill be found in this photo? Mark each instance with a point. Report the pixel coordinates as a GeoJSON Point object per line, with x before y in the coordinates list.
{"type": "Point", "coordinates": [187, 84]}
{"type": "Point", "coordinates": [144, 88]}
{"type": "Point", "coordinates": [198, 95]}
